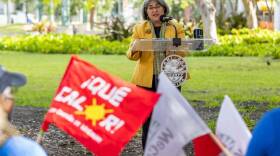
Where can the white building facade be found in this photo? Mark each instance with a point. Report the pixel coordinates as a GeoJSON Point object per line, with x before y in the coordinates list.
{"type": "Point", "coordinates": [16, 16]}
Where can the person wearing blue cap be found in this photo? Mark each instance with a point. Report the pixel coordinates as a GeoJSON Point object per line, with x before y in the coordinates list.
{"type": "Point", "coordinates": [11, 143]}
{"type": "Point", "coordinates": [265, 140]}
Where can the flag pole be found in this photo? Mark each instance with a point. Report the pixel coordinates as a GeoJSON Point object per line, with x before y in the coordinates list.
{"type": "Point", "coordinates": [40, 137]}
{"type": "Point", "coordinates": [218, 142]}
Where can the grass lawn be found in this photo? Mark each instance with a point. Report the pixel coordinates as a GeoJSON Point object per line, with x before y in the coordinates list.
{"type": "Point", "coordinates": [12, 29]}
{"type": "Point", "coordinates": [242, 78]}
{"type": "Point", "coordinates": [245, 79]}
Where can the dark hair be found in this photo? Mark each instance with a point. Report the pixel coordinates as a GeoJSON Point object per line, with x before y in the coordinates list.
{"type": "Point", "coordinates": [145, 7]}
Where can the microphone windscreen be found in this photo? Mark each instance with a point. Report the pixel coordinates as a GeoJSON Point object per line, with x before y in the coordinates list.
{"type": "Point", "coordinates": [162, 18]}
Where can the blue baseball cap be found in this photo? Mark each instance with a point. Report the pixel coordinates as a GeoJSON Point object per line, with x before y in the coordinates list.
{"type": "Point", "coordinates": [10, 79]}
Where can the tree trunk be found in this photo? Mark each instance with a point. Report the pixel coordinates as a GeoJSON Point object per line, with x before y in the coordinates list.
{"type": "Point", "coordinates": [233, 7]}
{"type": "Point", "coordinates": [91, 17]}
{"type": "Point", "coordinates": [39, 11]}
{"type": "Point", "coordinates": [269, 11]}
{"type": "Point", "coordinates": [120, 8]}
{"type": "Point", "coordinates": [250, 9]}
{"type": "Point", "coordinates": [26, 11]}
{"type": "Point", "coordinates": [85, 16]}
{"type": "Point", "coordinates": [52, 17]}
{"type": "Point", "coordinates": [208, 18]}
{"type": "Point", "coordinates": [222, 11]}
{"type": "Point", "coordinates": [8, 12]}
{"type": "Point", "coordinates": [65, 12]}
{"type": "Point", "coordinates": [214, 2]}
{"type": "Point", "coordinates": [236, 6]}
{"type": "Point", "coordinates": [277, 16]}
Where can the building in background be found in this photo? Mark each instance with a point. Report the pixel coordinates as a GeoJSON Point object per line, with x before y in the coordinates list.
{"type": "Point", "coordinates": [16, 13]}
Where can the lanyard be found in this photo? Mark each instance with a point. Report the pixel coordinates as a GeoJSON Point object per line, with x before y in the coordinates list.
{"type": "Point", "coordinates": [158, 55]}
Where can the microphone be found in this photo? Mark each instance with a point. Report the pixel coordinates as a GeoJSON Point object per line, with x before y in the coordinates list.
{"type": "Point", "coordinates": [164, 18]}
{"type": "Point", "coordinates": [176, 41]}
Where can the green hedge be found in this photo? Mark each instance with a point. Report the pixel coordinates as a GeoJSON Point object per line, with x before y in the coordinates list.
{"type": "Point", "coordinates": [246, 42]}
{"type": "Point", "coordinates": [242, 42]}
{"type": "Point", "coordinates": [264, 50]}
{"type": "Point", "coordinates": [62, 43]}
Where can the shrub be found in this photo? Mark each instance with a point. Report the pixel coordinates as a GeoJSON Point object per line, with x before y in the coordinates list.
{"type": "Point", "coordinates": [62, 43]}
{"type": "Point", "coordinates": [246, 42]}
{"type": "Point", "coordinates": [242, 42]}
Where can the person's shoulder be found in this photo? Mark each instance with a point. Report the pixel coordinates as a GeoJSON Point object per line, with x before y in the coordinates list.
{"type": "Point", "coordinates": [271, 117]}
{"type": "Point", "coordinates": [21, 146]}
{"type": "Point", "coordinates": [141, 24]}
{"type": "Point", "coordinates": [275, 113]}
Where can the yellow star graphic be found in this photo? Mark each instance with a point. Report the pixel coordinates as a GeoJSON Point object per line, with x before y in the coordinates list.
{"type": "Point", "coordinates": [94, 112]}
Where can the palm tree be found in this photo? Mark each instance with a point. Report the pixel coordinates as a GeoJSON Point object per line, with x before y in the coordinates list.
{"type": "Point", "coordinates": [91, 6]}
{"type": "Point", "coordinates": [53, 4]}
{"type": "Point", "coordinates": [208, 18]}
{"type": "Point", "coordinates": [250, 9]}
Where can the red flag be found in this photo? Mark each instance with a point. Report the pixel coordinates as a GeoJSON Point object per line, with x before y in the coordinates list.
{"type": "Point", "coordinates": [205, 145]}
{"type": "Point", "coordinates": [99, 110]}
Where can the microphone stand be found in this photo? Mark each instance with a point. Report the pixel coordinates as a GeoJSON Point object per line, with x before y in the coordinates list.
{"type": "Point", "coordinates": [176, 41]}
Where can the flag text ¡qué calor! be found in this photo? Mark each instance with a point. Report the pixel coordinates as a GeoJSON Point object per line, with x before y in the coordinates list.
{"type": "Point", "coordinates": [71, 97]}
{"type": "Point", "coordinates": [113, 94]}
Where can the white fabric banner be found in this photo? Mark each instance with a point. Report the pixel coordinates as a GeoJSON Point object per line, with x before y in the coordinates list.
{"type": "Point", "coordinates": [174, 122]}
{"type": "Point", "coordinates": [231, 129]}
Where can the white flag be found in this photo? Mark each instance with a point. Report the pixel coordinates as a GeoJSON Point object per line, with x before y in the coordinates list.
{"type": "Point", "coordinates": [231, 129]}
{"type": "Point", "coordinates": [174, 122]}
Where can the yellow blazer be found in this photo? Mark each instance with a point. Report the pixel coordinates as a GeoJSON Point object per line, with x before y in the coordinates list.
{"type": "Point", "coordinates": [143, 72]}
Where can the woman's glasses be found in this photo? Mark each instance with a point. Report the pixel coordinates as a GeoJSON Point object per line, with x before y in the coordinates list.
{"type": "Point", "coordinates": [157, 7]}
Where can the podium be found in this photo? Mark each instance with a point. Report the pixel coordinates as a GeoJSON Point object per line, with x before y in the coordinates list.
{"type": "Point", "coordinates": [168, 45]}
{"type": "Point", "coordinates": [173, 65]}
